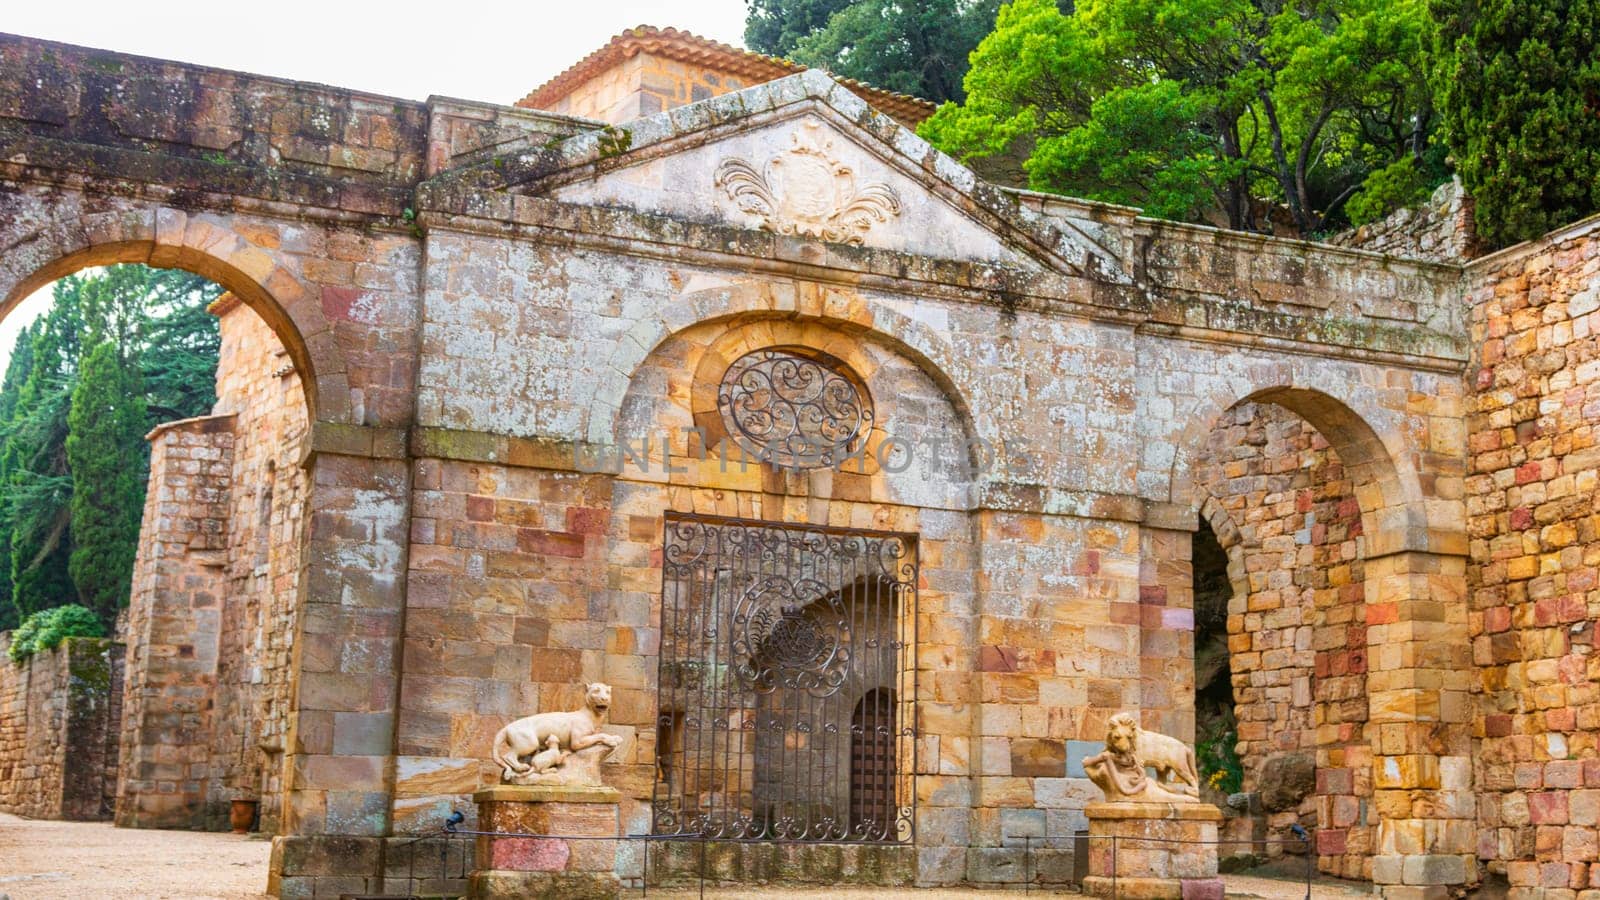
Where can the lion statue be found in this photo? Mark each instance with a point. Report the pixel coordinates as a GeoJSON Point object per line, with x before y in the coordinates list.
{"type": "Point", "coordinates": [553, 737]}
{"type": "Point", "coordinates": [1120, 770]}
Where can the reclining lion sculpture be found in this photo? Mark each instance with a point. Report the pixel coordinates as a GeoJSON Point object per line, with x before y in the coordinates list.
{"type": "Point", "coordinates": [557, 741]}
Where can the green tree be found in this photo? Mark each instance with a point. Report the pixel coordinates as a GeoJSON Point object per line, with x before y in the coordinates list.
{"type": "Point", "coordinates": [161, 338]}
{"type": "Point", "coordinates": [1202, 109]}
{"type": "Point", "coordinates": [1520, 94]}
{"type": "Point", "coordinates": [181, 346]}
{"type": "Point", "coordinates": [106, 456]}
{"type": "Point", "coordinates": [918, 48]}
{"type": "Point", "coordinates": [33, 459]}
{"type": "Point", "coordinates": [17, 371]}
{"type": "Point", "coordinates": [776, 27]}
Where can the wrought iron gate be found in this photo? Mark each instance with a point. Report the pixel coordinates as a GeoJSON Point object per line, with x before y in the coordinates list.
{"type": "Point", "coordinates": [787, 661]}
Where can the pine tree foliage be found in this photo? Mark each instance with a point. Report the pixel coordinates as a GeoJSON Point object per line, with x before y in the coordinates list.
{"type": "Point", "coordinates": [72, 451]}
{"type": "Point", "coordinates": [17, 370]}
{"type": "Point", "coordinates": [33, 460]}
{"type": "Point", "coordinates": [107, 459]}
{"type": "Point", "coordinates": [917, 48]}
{"type": "Point", "coordinates": [1520, 94]}
{"type": "Point", "coordinates": [1214, 110]}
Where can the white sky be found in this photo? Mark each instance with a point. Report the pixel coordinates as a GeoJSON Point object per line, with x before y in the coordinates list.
{"type": "Point", "coordinates": [490, 51]}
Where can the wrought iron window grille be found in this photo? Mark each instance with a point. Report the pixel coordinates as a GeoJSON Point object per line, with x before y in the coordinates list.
{"type": "Point", "coordinates": [787, 682]}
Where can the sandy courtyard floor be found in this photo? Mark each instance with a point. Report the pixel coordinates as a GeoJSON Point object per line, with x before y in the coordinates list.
{"type": "Point", "coordinates": [43, 860]}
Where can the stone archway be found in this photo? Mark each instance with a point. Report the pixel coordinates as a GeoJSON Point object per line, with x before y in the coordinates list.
{"type": "Point", "coordinates": [1280, 508]}
{"type": "Point", "coordinates": [212, 602]}
{"type": "Point", "coordinates": [206, 246]}
{"type": "Point", "coordinates": [1415, 655]}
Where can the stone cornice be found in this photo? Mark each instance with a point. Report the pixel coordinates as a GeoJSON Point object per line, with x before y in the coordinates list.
{"type": "Point", "coordinates": [1189, 315]}
{"type": "Point", "coordinates": [198, 184]}
{"type": "Point", "coordinates": [561, 455]}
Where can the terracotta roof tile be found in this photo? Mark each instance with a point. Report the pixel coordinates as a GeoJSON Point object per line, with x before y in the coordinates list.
{"type": "Point", "coordinates": [683, 46]}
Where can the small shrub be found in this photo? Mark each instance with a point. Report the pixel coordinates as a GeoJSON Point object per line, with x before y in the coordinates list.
{"type": "Point", "coordinates": [1220, 768]}
{"type": "Point", "coordinates": [1393, 187]}
{"type": "Point", "coordinates": [47, 628]}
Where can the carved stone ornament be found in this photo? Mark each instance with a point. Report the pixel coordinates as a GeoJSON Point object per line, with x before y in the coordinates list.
{"type": "Point", "coordinates": [562, 748]}
{"type": "Point", "coordinates": [1120, 770]}
{"type": "Point", "coordinates": [806, 190]}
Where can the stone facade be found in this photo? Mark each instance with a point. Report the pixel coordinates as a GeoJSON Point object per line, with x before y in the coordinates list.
{"type": "Point", "coordinates": [512, 329]}
{"type": "Point", "coordinates": [1534, 603]}
{"type": "Point", "coordinates": [58, 730]}
{"type": "Point", "coordinates": [214, 597]}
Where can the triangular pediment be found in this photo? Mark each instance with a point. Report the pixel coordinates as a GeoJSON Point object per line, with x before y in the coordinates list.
{"type": "Point", "coordinates": [801, 156]}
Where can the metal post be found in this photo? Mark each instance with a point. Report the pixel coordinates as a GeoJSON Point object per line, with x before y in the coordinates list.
{"type": "Point", "coordinates": [702, 867]}
{"type": "Point", "coordinates": [1310, 861]}
{"type": "Point", "coordinates": [1113, 867]}
{"type": "Point", "coordinates": [1027, 856]}
{"type": "Point", "coordinates": [644, 886]}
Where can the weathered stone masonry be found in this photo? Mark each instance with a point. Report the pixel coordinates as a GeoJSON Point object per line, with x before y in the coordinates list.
{"type": "Point", "coordinates": [58, 730]}
{"type": "Point", "coordinates": [484, 302]}
{"type": "Point", "coordinates": [215, 590]}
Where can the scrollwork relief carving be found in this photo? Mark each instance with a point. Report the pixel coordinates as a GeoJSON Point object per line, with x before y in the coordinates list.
{"type": "Point", "coordinates": [806, 190]}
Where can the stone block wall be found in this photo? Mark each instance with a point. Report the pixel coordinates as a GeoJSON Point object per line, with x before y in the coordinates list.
{"type": "Point", "coordinates": [216, 586]}
{"type": "Point", "coordinates": [1439, 229]}
{"type": "Point", "coordinates": [58, 730]}
{"type": "Point", "coordinates": [258, 385]}
{"type": "Point", "coordinates": [174, 622]}
{"type": "Point", "coordinates": [1535, 574]}
{"type": "Point", "coordinates": [1282, 504]}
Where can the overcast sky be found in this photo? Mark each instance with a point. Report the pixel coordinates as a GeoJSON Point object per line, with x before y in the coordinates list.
{"type": "Point", "coordinates": [489, 51]}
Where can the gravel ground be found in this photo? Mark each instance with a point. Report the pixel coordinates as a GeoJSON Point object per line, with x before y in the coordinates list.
{"type": "Point", "coordinates": [43, 860]}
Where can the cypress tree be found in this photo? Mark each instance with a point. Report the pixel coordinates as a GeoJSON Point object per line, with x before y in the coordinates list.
{"type": "Point", "coordinates": [1520, 85]}
{"type": "Point", "coordinates": [17, 371]}
{"type": "Point", "coordinates": [160, 365]}
{"type": "Point", "coordinates": [33, 459]}
{"type": "Point", "coordinates": [105, 455]}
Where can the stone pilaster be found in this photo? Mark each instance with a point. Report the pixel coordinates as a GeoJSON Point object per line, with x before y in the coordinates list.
{"type": "Point", "coordinates": [1419, 679]}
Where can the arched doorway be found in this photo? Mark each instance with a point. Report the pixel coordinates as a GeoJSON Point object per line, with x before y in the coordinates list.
{"type": "Point", "coordinates": [198, 414]}
{"type": "Point", "coordinates": [784, 652]}
{"type": "Point", "coordinates": [1346, 624]}
{"type": "Point", "coordinates": [873, 765]}
{"type": "Point", "coordinates": [1281, 696]}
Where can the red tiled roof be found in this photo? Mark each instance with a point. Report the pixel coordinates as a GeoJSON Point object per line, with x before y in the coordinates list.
{"type": "Point", "coordinates": [691, 48]}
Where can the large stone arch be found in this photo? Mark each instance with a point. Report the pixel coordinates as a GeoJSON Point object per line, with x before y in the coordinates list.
{"type": "Point", "coordinates": [672, 370]}
{"type": "Point", "coordinates": [1418, 652]}
{"type": "Point", "coordinates": [206, 245]}
{"type": "Point", "coordinates": [845, 311]}
{"type": "Point", "coordinates": [1280, 503]}
{"type": "Point", "coordinates": [1395, 509]}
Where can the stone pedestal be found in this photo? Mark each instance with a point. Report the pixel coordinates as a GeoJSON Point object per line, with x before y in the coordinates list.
{"type": "Point", "coordinates": [1162, 851]}
{"type": "Point", "coordinates": [580, 864]}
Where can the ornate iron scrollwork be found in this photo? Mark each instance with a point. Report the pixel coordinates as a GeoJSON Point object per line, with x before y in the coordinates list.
{"type": "Point", "coordinates": [793, 409]}
{"type": "Point", "coordinates": [787, 682]}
